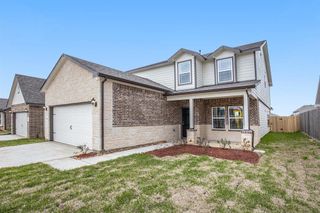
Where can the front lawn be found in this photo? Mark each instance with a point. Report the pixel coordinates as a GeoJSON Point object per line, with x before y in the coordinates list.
{"type": "Point", "coordinates": [20, 142]}
{"type": "Point", "coordinates": [286, 179]}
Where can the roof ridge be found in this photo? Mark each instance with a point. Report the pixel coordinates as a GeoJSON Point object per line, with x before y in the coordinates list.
{"type": "Point", "coordinates": [28, 76]}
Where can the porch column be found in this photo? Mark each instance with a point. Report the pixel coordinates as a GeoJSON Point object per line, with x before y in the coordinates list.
{"type": "Point", "coordinates": [245, 112]}
{"type": "Point", "coordinates": [191, 113]}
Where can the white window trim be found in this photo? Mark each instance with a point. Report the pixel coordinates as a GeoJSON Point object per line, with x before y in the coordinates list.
{"type": "Point", "coordinates": [224, 118]}
{"type": "Point", "coordinates": [179, 72]}
{"type": "Point", "coordinates": [221, 59]}
{"type": "Point", "coordinates": [229, 118]}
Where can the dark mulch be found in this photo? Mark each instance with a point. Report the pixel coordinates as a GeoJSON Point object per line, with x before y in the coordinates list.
{"type": "Point", "coordinates": [85, 155]}
{"type": "Point", "coordinates": [229, 154]}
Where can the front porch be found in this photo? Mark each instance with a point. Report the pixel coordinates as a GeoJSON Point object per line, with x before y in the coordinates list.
{"type": "Point", "coordinates": [224, 118]}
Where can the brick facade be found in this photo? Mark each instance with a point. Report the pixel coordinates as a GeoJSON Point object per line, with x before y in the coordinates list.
{"type": "Point", "coordinates": [203, 108]}
{"type": "Point", "coordinates": [8, 119]}
{"type": "Point", "coordinates": [254, 112]}
{"type": "Point", "coordinates": [140, 107]}
{"type": "Point", "coordinates": [36, 127]}
{"type": "Point", "coordinates": [35, 121]}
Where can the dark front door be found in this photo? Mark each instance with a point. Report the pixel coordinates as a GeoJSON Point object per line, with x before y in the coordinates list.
{"type": "Point", "coordinates": [185, 121]}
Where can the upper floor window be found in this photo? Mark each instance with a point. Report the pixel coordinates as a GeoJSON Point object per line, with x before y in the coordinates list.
{"type": "Point", "coordinates": [184, 72]}
{"type": "Point", "coordinates": [225, 70]}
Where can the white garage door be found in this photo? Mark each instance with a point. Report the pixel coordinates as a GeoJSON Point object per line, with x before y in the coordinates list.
{"type": "Point", "coordinates": [73, 124]}
{"type": "Point", "coordinates": [22, 124]}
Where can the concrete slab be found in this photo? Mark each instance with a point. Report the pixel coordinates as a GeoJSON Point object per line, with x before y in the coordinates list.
{"type": "Point", "coordinates": [34, 153]}
{"type": "Point", "coordinates": [67, 163]}
{"type": "Point", "coordinates": [116, 155]}
{"type": "Point", "coordinates": [70, 163]}
{"type": "Point", "coordinates": [9, 137]}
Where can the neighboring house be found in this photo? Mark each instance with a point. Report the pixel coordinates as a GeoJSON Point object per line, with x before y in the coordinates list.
{"type": "Point", "coordinates": [27, 104]}
{"type": "Point", "coordinates": [306, 108]}
{"type": "Point", "coordinates": [223, 94]}
{"type": "Point", "coordinates": [5, 120]}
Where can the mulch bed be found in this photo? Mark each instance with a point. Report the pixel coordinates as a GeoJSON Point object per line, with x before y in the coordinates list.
{"type": "Point", "coordinates": [229, 154]}
{"type": "Point", "coordinates": [87, 155]}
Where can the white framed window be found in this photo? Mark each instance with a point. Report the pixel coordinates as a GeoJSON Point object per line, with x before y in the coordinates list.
{"type": "Point", "coordinates": [225, 70]}
{"type": "Point", "coordinates": [184, 72]}
{"type": "Point", "coordinates": [235, 117]}
{"type": "Point", "coordinates": [218, 118]}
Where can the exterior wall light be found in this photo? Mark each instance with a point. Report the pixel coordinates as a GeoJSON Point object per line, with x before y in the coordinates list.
{"type": "Point", "coordinates": [93, 102]}
{"type": "Point", "coordinates": [45, 108]}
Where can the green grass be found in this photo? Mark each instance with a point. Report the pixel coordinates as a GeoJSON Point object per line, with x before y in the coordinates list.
{"type": "Point", "coordinates": [283, 181]}
{"type": "Point", "coordinates": [20, 142]}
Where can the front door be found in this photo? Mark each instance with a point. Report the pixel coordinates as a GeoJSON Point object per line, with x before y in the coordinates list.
{"type": "Point", "coordinates": [185, 121]}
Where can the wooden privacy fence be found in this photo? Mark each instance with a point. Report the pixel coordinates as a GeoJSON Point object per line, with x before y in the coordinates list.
{"type": "Point", "coordinates": [310, 123]}
{"type": "Point", "coordinates": [284, 123]}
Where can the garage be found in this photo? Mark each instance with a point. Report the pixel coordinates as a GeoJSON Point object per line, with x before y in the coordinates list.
{"type": "Point", "coordinates": [22, 124]}
{"type": "Point", "coordinates": [72, 124]}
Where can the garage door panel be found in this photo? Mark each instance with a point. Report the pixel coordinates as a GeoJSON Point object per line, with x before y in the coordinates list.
{"type": "Point", "coordinates": [22, 124]}
{"type": "Point", "coordinates": [73, 124]}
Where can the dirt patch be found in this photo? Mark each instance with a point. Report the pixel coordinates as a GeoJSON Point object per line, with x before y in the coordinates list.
{"type": "Point", "coordinates": [191, 199]}
{"type": "Point", "coordinates": [29, 190]}
{"type": "Point", "coordinates": [278, 201]}
{"type": "Point", "coordinates": [229, 154]}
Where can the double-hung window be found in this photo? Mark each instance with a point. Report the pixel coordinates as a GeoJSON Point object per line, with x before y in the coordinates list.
{"type": "Point", "coordinates": [225, 70]}
{"type": "Point", "coordinates": [218, 118]}
{"type": "Point", "coordinates": [184, 72]}
{"type": "Point", "coordinates": [235, 117]}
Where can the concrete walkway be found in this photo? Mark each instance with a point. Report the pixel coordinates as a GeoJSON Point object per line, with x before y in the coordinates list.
{"type": "Point", "coordinates": [71, 163]}
{"type": "Point", "coordinates": [34, 153]}
{"type": "Point", "coordinates": [9, 137]}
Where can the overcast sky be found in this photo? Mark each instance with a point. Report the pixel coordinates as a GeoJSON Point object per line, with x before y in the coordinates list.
{"type": "Point", "coordinates": [129, 34]}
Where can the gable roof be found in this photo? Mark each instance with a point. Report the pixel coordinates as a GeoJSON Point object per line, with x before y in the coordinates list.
{"type": "Point", "coordinates": [107, 72]}
{"type": "Point", "coordinates": [318, 94]}
{"type": "Point", "coordinates": [3, 104]}
{"type": "Point", "coordinates": [238, 49]}
{"type": "Point", "coordinates": [30, 89]}
{"type": "Point", "coordinates": [183, 51]}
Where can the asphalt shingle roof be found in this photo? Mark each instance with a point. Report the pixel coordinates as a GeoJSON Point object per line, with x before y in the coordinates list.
{"type": "Point", "coordinates": [219, 87]}
{"type": "Point", "coordinates": [117, 74]}
{"type": "Point", "coordinates": [3, 103]}
{"type": "Point", "coordinates": [242, 48]}
{"type": "Point", "coordinates": [30, 88]}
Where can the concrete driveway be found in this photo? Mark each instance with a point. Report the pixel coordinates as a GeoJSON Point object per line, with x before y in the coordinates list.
{"type": "Point", "coordinates": [9, 137]}
{"type": "Point", "coordinates": [34, 153]}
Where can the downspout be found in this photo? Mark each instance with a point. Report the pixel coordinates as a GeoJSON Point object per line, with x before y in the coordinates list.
{"type": "Point", "coordinates": [252, 140]}
{"type": "Point", "coordinates": [102, 112]}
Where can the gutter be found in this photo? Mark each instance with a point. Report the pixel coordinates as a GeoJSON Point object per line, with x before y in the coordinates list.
{"type": "Point", "coordinates": [252, 141]}
{"type": "Point", "coordinates": [102, 112]}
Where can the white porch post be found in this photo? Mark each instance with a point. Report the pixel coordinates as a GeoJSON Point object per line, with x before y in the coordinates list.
{"type": "Point", "coordinates": [191, 132]}
{"type": "Point", "coordinates": [245, 112]}
{"type": "Point", "coordinates": [191, 113]}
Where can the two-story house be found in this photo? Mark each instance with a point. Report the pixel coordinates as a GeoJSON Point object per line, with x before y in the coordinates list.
{"type": "Point", "coordinates": [224, 94]}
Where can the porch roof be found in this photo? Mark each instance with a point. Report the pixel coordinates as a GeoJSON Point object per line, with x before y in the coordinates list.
{"type": "Point", "coordinates": [219, 87]}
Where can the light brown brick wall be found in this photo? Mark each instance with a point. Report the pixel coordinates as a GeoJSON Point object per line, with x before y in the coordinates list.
{"type": "Point", "coordinates": [254, 112]}
{"type": "Point", "coordinates": [35, 119]}
{"type": "Point", "coordinates": [140, 107]}
{"type": "Point", "coordinates": [8, 119]}
{"type": "Point", "coordinates": [36, 124]}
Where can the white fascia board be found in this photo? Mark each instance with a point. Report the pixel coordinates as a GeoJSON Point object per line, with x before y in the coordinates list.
{"type": "Point", "coordinates": [220, 94]}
